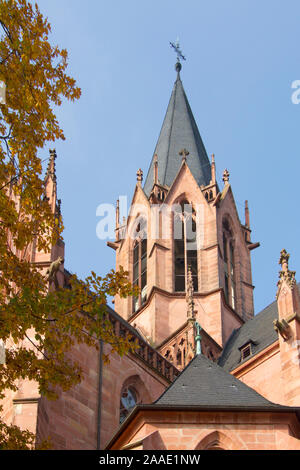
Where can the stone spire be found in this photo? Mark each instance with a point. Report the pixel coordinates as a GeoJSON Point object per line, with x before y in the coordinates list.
{"type": "Point", "coordinates": [51, 183]}
{"type": "Point", "coordinates": [197, 329]}
{"type": "Point", "coordinates": [226, 176]}
{"type": "Point", "coordinates": [179, 131]}
{"type": "Point", "coordinates": [190, 295]}
{"type": "Point", "coordinates": [51, 170]}
{"type": "Point", "coordinates": [247, 215]}
{"type": "Point", "coordinates": [213, 169]}
{"type": "Point", "coordinates": [285, 274]}
{"type": "Point", "coordinates": [139, 176]}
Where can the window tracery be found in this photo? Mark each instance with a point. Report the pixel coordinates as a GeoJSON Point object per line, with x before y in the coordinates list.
{"type": "Point", "coordinates": [185, 246]}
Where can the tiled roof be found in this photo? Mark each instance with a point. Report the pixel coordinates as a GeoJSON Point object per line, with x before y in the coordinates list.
{"type": "Point", "coordinates": [205, 384]}
{"type": "Point", "coordinates": [259, 330]}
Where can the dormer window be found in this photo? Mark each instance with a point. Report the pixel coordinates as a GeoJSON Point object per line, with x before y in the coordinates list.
{"type": "Point", "coordinates": [246, 352]}
{"type": "Point", "coordinates": [247, 349]}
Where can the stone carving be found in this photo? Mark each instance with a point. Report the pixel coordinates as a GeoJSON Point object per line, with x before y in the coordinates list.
{"type": "Point", "coordinates": [226, 175]}
{"type": "Point", "coordinates": [285, 275]}
{"type": "Point", "coordinates": [282, 327]}
{"type": "Point", "coordinates": [53, 270]}
{"type": "Point", "coordinates": [139, 176]}
{"type": "Point", "coordinates": [184, 153]}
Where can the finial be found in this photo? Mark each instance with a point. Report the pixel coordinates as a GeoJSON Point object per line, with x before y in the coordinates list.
{"type": "Point", "coordinates": [51, 165]}
{"type": "Point", "coordinates": [285, 275]}
{"type": "Point", "coordinates": [117, 219]}
{"type": "Point", "coordinates": [190, 294]}
{"type": "Point", "coordinates": [155, 169]}
{"type": "Point", "coordinates": [284, 260]}
{"type": "Point", "coordinates": [184, 153]}
{"type": "Point", "coordinates": [180, 56]}
{"type": "Point", "coordinates": [213, 169]}
{"type": "Point", "coordinates": [178, 67]}
{"type": "Point", "coordinates": [58, 207]}
{"type": "Point", "coordinates": [226, 176]}
{"type": "Point", "coordinates": [247, 217]}
{"type": "Point", "coordinates": [197, 329]}
{"type": "Point", "coordinates": [139, 175]}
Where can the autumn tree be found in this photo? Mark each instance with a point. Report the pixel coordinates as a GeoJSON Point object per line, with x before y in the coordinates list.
{"type": "Point", "coordinates": [36, 80]}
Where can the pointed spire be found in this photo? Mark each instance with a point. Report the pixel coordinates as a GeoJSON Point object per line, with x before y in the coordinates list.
{"type": "Point", "coordinates": [179, 131]}
{"type": "Point", "coordinates": [155, 169]}
{"type": "Point", "coordinates": [190, 295]}
{"type": "Point", "coordinates": [51, 170]}
{"type": "Point", "coordinates": [197, 329]}
{"type": "Point", "coordinates": [247, 216]}
{"type": "Point", "coordinates": [285, 275]}
{"type": "Point", "coordinates": [213, 169]}
{"type": "Point", "coordinates": [51, 184]}
{"type": "Point", "coordinates": [226, 175]}
{"type": "Point", "coordinates": [139, 177]}
{"type": "Point", "coordinates": [117, 219]}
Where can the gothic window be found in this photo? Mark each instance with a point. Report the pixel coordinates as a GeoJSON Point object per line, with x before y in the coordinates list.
{"type": "Point", "coordinates": [129, 398]}
{"type": "Point", "coordinates": [179, 358]}
{"type": "Point", "coordinates": [229, 265]}
{"type": "Point", "coordinates": [185, 246]}
{"type": "Point", "coordinates": [140, 265]}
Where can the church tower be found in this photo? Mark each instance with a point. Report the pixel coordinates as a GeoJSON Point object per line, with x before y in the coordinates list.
{"type": "Point", "coordinates": [184, 245]}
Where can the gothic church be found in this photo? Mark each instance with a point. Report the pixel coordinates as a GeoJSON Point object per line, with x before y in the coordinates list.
{"type": "Point", "coordinates": [208, 373]}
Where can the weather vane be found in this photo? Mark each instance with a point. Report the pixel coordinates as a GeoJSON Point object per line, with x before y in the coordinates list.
{"type": "Point", "coordinates": [176, 48]}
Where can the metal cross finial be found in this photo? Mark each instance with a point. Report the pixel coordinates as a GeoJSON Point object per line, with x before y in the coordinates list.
{"type": "Point", "coordinates": [184, 153]}
{"type": "Point", "coordinates": [176, 48]}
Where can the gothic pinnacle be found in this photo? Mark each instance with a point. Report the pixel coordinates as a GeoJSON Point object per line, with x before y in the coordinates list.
{"type": "Point", "coordinates": [226, 175]}
{"type": "Point", "coordinates": [139, 175]}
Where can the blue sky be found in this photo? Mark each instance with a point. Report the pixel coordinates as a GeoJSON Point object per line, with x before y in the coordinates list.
{"type": "Point", "coordinates": [242, 57]}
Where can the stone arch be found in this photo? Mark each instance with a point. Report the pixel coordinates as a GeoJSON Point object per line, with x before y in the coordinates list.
{"type": "Point", "coordinates": [217, 440]}
{"type": "Point", "coordinates": [135, 385]}
{"type": "Point", "coordinates": [136, 382]}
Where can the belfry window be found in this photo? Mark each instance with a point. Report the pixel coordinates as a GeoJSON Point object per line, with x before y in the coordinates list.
{"type": "Point", "coordinates": [140, 266]}
{"type": "Point", "coordinates": [185, 246]}
{"type": "Point", "coordinates": [229, 265]}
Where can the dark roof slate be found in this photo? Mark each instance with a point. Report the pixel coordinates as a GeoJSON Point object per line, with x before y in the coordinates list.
{"type": "Point", "coordinates": [179, 130]}
{"type": "Point", "coordinates": [204, 383]}
{"type": "Point", "coordinates": [259, 330]}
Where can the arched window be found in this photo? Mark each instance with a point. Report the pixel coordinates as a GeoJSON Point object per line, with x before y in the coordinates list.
{"type": "Point", "coordinates": [229, 265]}
{"type": "Point", "coordinates": [185, 245]}
{"type": "Point", "coordinates": [140, 265]}
{"type": "Point", "coordinates": [179, 358]}
{"type": "Point", "coordinates": [129, 398]}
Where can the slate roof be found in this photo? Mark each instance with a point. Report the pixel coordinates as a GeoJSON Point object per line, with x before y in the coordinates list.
{"type": "Point", "coordinates": [205, 384]}
{"type": "Point", "coordinates": [179, 130]}
{"type": "Point", "coordinates": [259, 329]}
